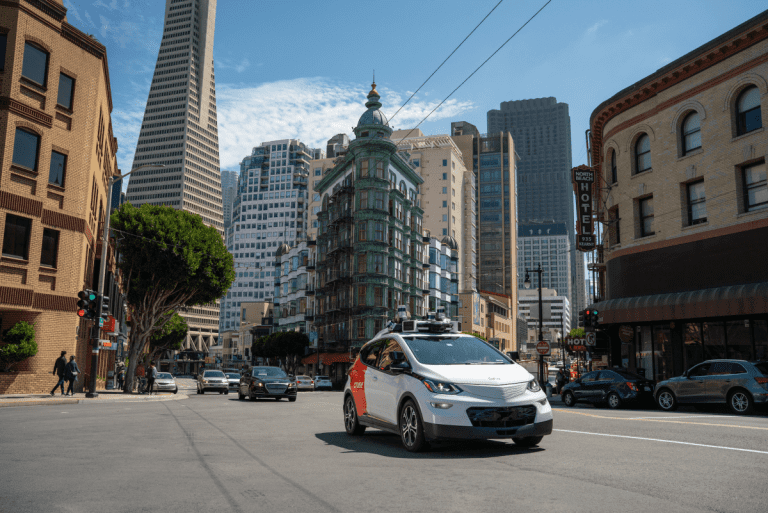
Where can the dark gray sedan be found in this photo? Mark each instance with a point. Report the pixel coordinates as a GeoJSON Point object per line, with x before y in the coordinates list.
{"type": "Point", "coordinates": [738, 383]}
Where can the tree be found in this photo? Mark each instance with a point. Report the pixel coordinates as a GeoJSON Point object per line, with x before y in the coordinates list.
{"type": "Point", "coordinates": [169, 259]}
{"type": "Point", "coordinates": [577, 333]}
{"type": "Point", "coordinates": [170, 337]}
{"type": "Point", "coordinates": [19, 345]}
{"type": "Point", "coordinates": [476, 334]}
{"type": "Point", "coordinates": [288, 346]}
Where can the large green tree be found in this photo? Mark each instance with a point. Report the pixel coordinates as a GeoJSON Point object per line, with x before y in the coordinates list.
{"type": "Point", "coordinates": [169, 259]}
{"type": "Point", "coordinates": [170, 337]}
{"type": "Point", "coordinates": [19, 344]}
{"type": "Point", "coordinates": [287, 346]}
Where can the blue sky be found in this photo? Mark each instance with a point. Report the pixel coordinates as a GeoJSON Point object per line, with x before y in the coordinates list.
{"type": "Point", "coordinates": [301, 68]}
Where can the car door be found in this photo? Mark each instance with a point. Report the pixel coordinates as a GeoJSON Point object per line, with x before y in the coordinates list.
{"type": "Point", "coordinates": [388, 384]}
{"type": "Point", "coordinates": [693, 388]}
{"type": "Point", "coordinates": [721, 377]}
{"type": "Point", "coordinates": [584, 388]}
{"type": "Point", "coordinates": [604, 384]}
{"type": "Point", "coordinates": [371, 380]}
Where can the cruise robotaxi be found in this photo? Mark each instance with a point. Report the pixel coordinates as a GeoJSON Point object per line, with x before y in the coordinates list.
{"type": "Point", "coordinates": [424, 380]}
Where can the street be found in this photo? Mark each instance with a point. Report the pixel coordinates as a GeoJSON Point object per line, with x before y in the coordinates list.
{"type": "Point", "coordinates": [215, 453]}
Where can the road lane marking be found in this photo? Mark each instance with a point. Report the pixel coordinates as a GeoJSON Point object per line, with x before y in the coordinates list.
{"type": "Point", "coordinates": [687, 417]}
{"type": "Point", "coordinates": [662, 420]}
{"type": "Point", "coordinates": [660, 440]}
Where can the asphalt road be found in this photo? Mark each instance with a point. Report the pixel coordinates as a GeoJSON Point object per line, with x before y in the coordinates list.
{"type": "Point", "coordinates": [215, 453]}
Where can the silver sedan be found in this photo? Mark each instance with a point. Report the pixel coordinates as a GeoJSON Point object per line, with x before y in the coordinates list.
{"type": "Point", "coordinates": [165, 382]}
{"type": "Point", "coordinates": [305, 383]}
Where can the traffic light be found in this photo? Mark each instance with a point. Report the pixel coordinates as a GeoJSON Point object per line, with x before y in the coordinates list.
{"type": "Point", "coordinates": [87, 305]}
{"type": "Point", "coordinates": [581, 318]}
{"type": "Point", "coordinates": [587, 318]}
{"type": "Point", "coordinates": [593, 318]}
{"type": "Point", "coordinates": [104, 305]}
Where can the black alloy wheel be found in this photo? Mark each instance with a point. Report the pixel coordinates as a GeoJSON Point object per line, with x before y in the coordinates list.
{"type": "Point", "coordinates": [411, 428]}
{"type": "Point", "coordinates": [666, 400]}
{"type": "Point", "coordinates": [568, 398]}
{"type": "Point", "coordinates": [614, 401]}
{"type": "Point", "coordinates": [740, 402]}
{"type": "Point", "coordinates": [528, 441]}
{"type": "Point", "coordinates": [351, 423]}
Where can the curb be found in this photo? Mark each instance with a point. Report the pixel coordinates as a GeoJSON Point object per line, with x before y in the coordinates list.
{"type": "Point", "coordinates": [54, 402]}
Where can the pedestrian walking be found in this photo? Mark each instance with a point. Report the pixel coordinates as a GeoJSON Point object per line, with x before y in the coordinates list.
{"type": "Point", "coordinates": [151, 376]}
{"type": "Point", "coordinates": [71, 374]}
{"type": "Point", "coordinates": [59, 369]}
{"type": "Point", "coordinates": [560, 380]}
{"type": "Point", "coordinates": [120, 376]}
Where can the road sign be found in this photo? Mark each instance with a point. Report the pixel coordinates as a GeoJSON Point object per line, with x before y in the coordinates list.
{"type": "Point", "coordinates": [591, 339]}
{"type": "Point", "coordinates": [542, 347]}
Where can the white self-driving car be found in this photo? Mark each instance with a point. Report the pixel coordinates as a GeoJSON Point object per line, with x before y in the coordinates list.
{"type": "Point", "coordinates": [426, 381]}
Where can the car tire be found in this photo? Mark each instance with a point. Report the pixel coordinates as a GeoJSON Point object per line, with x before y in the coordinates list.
{"type": "Point", "coordinates": [251, 396]}
{"type": "Point", "coordinates": [351, 422]}
{"type": "Point", "coordinates": [740, 402]}
{"type": "Point", "coordinates": [176, 391]}
{"type": "Point", "coordinates": [240, 395]}
{"type": "Point", "coordinates": [226, 392]}
{"type": "Point", "coordinates": [292, 399]}
{"type": "Point", "coordinates": [569, 399]}
{"type": "Point", "coordinates": [411, 428]}
{"type": "Point", "coordinates": [614, 401]}
{"type": "Point", "coordinates": [666, 400]}
{"type": "Point", "coordinates": [528, 441]}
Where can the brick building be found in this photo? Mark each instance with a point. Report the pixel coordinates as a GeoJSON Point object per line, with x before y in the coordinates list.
{"type": "Point", "coordinates": [680, 157]}
{"type": "Point", "coordinates": [58, 152]}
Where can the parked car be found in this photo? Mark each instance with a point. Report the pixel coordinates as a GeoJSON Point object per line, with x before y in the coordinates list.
{"type": "Point", "coordinates": [737, 383]}
{"type": "Point", "coordinates": [323, 383]}
{"type": "Point", "coordinates": [305, 383]}
{"type": "Point", "coordinates": [166, 382]}
{"type": "Point", "coordinates": [267, 382]}
{"type": "Point", "coordinates": [212, 381]}
{"type": "Point", "coordinates": [234, 380]}
{"type": "Point", "coordinates": [613, 387]}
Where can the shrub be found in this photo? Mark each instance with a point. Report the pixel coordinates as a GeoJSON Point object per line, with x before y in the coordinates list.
{"type": "Point", "coordinates": [19, 345]}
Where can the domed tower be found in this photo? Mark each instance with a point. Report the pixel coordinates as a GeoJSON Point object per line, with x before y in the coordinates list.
{"type": "Point", "coordinates": [373, 123]}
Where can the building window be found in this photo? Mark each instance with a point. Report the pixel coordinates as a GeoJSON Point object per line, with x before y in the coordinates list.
{"type": "Point", "coordinates": [445, 176]}
{"type": "Point", "coordinates": [380, 170]}
{"type": "Point", "coordinates": [66, 90]}
{"type": "Point", "coordinates": [16, 237]}
{"type": "Point", "coordinates": [755, 187]}
{"type": "Point", "coordinates": [748, 115]}
{"type": "Point", "coordinates": [416, 163]}
{"type": "Point", "coordinates": [643, 154]}
{"type": "Point", "coordinates": [697, 206]}
{"type": "Point", "coordinates": [614, 169]}
{"type": "Point", "coordinates": [3, 44]}
{"type": "Point", "coordinates": [361, 231]}
{"type": "Point", "coordinates": [445, 163]}
{"type": "Point", "coordinates": [445, 218]}
{"type": "Point", "coordinates": [445, 190]}
{"type": "Point", "coordinates": [58, 169]}
{"type": "Point", "coordinates": [362, 263]}
{"type": "Point", "coordinates": [646, 217]}
{"type": "Point", "coordinates": [25, 148]}
{"type": "Point", "coordinates": [318, 171]}
{"type": "Point", "coordinates": [378, 232]}
{"type": "Point", "coordinates": [50, 250]}
{"type": "Point", "coordinates": [363, 169]}
{"type": "Point", "coordinates": [378, 264]}
{"type": "Point", "coordinates": [691, 133]}
{"type": "Point", "coordinates": [379, 200]}
{"type": "Point", "coordinates": [445, 204]}
{"type": "Point", "coordinates": [35, 67]}
{"type": "Point", "coordinates": [363, 200]}
{"type": "Point", "coordinates": [361, 295]}
{"type": "Point", "coordinates": [361, 328]}
{"type": "Point", "coordinates": [378, 297]}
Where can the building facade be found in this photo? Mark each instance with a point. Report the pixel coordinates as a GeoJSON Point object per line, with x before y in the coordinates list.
{"type": "Point", "coordinates": [370, 245]}
{"type": "Point", "coordinates": [491, 316]}
{"type": "Point", "coordinates": [555, 309]}
{"type": "Point", "coordinates": [179, 131]}
{"type": "Point", "coordinates": [228, 194]}
{"type": "Point", "coordinates": [680, 157]}
{"type": "Point", "coordinates": [294, 289]}
{"type": "Point", "coordinates": [58, 155]}
{"type": "Point", "coordinates": [547, 245]}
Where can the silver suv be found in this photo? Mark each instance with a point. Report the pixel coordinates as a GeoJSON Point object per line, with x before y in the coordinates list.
{"type": "Point", "coordinates": [738, 383]}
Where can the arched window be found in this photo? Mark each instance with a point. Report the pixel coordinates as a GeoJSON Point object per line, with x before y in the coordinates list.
{"type": "Point", "coordinates": [691, 133]}
{"type": "Point", "coordinates": [614, 170]}
{"type": "Point", "coordinates": [643, 154]}
{"type": "Point", "coordinates": [402, 188]}
{"type": "Point", "coordinates": [748, 115]}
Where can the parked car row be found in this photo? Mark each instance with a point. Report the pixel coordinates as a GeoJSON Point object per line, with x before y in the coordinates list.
{"type": "Point", "coordinates": [739, 384]}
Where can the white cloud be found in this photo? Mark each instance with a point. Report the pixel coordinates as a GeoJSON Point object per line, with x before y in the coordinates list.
{"type": "Point", "coordinates": [72, 15]}
{"type": "Point", "coordinates": [310, 109]}
{"type": "Point", "coordinates": [594, 28]}
{"type": "Point", "coordinates": [90, 21]}
{"type": "Point", "coordinates": [112, 6]}
{"type": "Point", "coordinates": [104, 25]}
{"type": "Point", "coordinates": [227, 64]}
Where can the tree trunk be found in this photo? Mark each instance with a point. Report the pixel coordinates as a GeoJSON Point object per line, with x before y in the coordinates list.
{"type": "Point", "coordinates": [137, 347]}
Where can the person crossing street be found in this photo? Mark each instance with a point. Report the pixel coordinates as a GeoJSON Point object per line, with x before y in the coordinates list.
{"type": "Point", "coordinates": [59, 370]}
{"type": "Point", "coordinates": [71, 373]}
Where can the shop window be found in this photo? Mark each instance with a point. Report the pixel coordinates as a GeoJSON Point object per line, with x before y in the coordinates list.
{"type": "Point", "coordinates": [35, 66]}
{"type": "Point", "coordinates": [739, 340]}
{"type": "Point", "coordinates": [662, 349]}
{"type": "Point", "coordinates": [761, 339]}
{"type": "Point", "coordinates": [16, 236]}
{"type": "Point", "coordinates": [748, 115]}
{"type": "Point", "coordinates": [691, 133]}
{"type": "Point", "coordinates": [25, 148]}
{"type": "Point", "coordinates": [644, 356]}
{"type": "Point", "coordinates": [66, 91]}
{"type": "Point", "coordinates": [693, 352]}
{"type": "Point", "coordinates": [714, 340]}
{"type": "Point", "coordinates": [50, 251]}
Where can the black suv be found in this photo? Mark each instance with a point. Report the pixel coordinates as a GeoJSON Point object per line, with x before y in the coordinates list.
{"type": "Point", "coordinates": [614, 387]}
{"type": "Point", "coordinates": [261, 382]}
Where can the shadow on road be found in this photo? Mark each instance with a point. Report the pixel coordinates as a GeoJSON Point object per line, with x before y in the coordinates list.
{"type": "Point", "coordinates": [387, 444]}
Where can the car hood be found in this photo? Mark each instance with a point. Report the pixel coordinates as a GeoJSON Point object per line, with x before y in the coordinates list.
{"type": "Point", "coordinates": [274, 380]}
{"type": "Point", "coordinates": [489, 374]}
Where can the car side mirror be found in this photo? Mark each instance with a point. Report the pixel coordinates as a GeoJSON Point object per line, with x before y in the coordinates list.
{"type": "Point", "coordinates": [399, 367]}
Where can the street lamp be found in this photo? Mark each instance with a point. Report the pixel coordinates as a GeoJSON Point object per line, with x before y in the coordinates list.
{"type": "Point", "coordinates": [96, 330]}
{"type": "Point", "coordinates": [527, 285]}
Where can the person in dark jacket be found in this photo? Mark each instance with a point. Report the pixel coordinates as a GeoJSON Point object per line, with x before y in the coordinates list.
{"type": "Point", "coordinates": [560, 380]}
{"type": "Point", "coordinates": [71, 374]}
{"type": "Point", "coordinates": [59, 369]}
{"type": "Point", "coordinates": [151, 376]}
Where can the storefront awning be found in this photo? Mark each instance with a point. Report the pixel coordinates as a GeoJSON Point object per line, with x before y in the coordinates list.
{"type": "Point", "coordinates": [734, 300]}
{"type": "Point", "coordinates": [326, 358]}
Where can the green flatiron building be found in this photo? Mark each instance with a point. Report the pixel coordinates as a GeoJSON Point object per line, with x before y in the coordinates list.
{"type": "Point", "coordinates": [370, 246]}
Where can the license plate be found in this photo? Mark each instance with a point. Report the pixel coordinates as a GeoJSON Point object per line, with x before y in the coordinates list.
{"type": "Point", "coordinates": [647, 389]}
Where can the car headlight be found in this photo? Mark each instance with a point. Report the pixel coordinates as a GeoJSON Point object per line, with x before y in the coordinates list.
{"type": "Point", "coordinates": [291, 385]}
{"type": "Point", "coordinates": [533, 386]}
{"type": "Point", "coordinates": [441, 388]}
{"type": "Point", "coordinates": [205, 381]}
{"type": "Point", "coordinates": [259, 384]}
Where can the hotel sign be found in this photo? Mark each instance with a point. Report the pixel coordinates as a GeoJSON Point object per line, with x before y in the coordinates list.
{"type": "Point", "coordinates": [583, 186]}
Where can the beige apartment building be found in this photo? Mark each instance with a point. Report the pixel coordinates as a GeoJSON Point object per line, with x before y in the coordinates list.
{"type": "Point", "coordinates": [447, 189]}
{"type": "Point", "coordinates": [58, 154]}
{"type": "Point", "coordinates": [490, 315]}
{"type": "Point", "coordinates": [681, 161]}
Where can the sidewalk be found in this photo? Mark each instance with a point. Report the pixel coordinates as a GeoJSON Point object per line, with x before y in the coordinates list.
{"type": "Point", "coordinates": [105, 396]}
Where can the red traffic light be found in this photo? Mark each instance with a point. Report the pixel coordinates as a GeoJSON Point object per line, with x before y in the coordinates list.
{"type": "Point", "coordinates": [81, 313]}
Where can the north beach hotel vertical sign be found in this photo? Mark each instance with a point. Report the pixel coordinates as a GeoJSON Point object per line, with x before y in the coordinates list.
{"type": "Point", "coordinates": [583, 186]}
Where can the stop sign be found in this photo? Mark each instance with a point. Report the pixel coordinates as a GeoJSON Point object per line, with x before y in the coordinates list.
{"type": "Point", "coordinates": [542, 347]}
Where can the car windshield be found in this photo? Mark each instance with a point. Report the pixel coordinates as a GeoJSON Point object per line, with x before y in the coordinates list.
{"type": "Point", "coordinates": [321, 377]}
{"type": "Point", "coordinates": [628, 375]}
{"type": "Point", "coordinates": [763, 368]}
{"type": "Point", "coordinates": [233, 375]}
{"type": "Point", "coordinates": [454, 350]}
{"type": "Point", "coordinates": [269, 372]}
{"type": "Point", "coordinates": [164, 375]}
{"type": "Point", "coordinates": [302, 377]}
{"type": "Point", "coordinates": [213, 374]}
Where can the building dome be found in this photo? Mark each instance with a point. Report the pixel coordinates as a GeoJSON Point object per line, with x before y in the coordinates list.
{"type": "Point", "coordinates": [373, 116]}
{"type": "Point", "coordinates": [282, 250]}
{"type": "Point", "coordinates": [450, 242]}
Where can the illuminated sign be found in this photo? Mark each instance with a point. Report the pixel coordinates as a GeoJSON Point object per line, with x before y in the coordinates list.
{"type": "Point", "coordinates": [583, 186]}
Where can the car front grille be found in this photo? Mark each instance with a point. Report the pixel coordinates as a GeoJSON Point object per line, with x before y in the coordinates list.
{"type": "Point", "coordinates": [276, 389]}
{"type": "Point", "coordinates": [502, 417]}
{"type": "Point", "coordinates": [501, 392]}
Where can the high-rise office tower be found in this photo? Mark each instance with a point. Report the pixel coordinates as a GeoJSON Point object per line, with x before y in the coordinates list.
{"type": "Point", "coordinates": [179, 130]}
{"type": "Point", "coordinates": [270, 209]}
{"type": "Point", "coordinates": [228, 193]}
{"type": "Point", "coordinates": [546, 244]}
{"type": "Point", "coordinates": [542, 130]}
